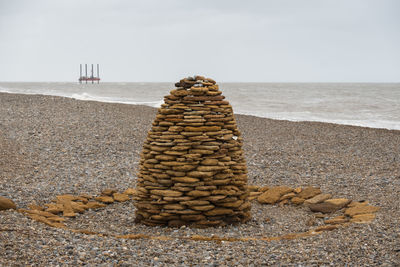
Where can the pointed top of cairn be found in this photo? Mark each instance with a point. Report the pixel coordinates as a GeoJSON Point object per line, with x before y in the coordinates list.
{"type": "Point", "coordinates": [192, 169]}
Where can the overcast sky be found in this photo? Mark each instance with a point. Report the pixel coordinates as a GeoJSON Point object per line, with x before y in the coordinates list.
{"type": "Point", "coordinates": [163, 40]}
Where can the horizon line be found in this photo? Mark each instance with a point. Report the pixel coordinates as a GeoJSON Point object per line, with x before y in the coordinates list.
{"type": "Point", "coordinates": [77, 82]}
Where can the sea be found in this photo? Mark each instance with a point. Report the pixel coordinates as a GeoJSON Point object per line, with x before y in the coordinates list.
{"type": "Point", "coordinates": [375, 105]}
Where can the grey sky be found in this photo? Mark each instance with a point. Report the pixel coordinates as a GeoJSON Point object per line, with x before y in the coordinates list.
{"type": "Point", "coordinates": [163, 40]}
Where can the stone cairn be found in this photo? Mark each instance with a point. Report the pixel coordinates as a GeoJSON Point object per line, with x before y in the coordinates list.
{"type": "Point", "coordinates": [192, 167]}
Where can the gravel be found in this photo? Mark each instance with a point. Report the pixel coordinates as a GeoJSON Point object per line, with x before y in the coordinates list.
{"type": "Point", "coordinates": [52, 145]}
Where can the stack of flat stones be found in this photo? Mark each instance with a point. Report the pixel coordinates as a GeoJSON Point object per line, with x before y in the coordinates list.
{"type": "Point", "coordinates": [192, 167]}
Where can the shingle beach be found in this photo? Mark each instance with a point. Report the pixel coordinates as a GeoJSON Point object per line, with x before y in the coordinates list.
{"type": "Point", "coordinates": [53, 145]}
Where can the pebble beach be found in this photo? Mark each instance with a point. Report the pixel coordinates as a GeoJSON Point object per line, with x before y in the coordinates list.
{"type": "Point", "coordinates": [53, 145]}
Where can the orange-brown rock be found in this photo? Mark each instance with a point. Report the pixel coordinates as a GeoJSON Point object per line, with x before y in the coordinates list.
{"type": "Point", "coordinates": [325, 228]}
{"type": "Point", "coordinates": [6, 204]}
{"type": "Point", "coordinates": [219, 211]}
{"type": "Point", "coordinates": [198, 193]}
{"type": "Point", "coordinates": [167, 193]}
{"type": "Point", "coordinates": [363, 218]}
{"type": "Point", "coordinates": [360, 210]}
{"type": "Point", "coordinates": [253, 188]}
{"type": "Point", "coordinates": [324, 207]}
{"type": "Point", "coordinates": [185, 179]}
{"type": "Point", "coordinates": [34, 206]}
{"type": "Point", "coordinates": [105, 199]}
{"type": "Point", "coordinates": [68, 211]}
{"type": "Point", "coordinates": [78, 206]}
{"type": "Point", "coordinates": [120, 197]}
{"type": "Point", "coordinates": [339, 202]}
{"type": "Point", "coordinates": [273, 194]}
{"type": "Point", "coordinates": [55, 208]}
{"type": "Point", "coordinates": [317, 199]}
{"type": "Point", "coordinates": [287, 196]}
{"type": "Point", "coordinates": [309, 192]}
{"type": "Point", "coordinates": [130, 191]}
{"type": "Point", "coordinates": [95, 205]}
{"type": "Point", "coordinates": [297, 200]}
{"type": "Point", "coordinates": [108, 192]}
{"type": "Point", "coordinates": [46, 220]}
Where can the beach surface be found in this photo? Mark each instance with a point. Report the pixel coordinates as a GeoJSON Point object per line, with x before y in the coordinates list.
{"type": "Point", "coordinates": [52, 145]}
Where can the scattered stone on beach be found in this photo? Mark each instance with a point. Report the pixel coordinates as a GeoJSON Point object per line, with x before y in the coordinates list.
{"type": "Point", "coordinates": [6, 204]}
{"type": "Point", "coordinates": [273, 194]}
{"type": "Point", "coordinates": [325, 228]}
{"type": "Point", "coordinates": [338, 202]}
{"type": "Point", "coordinates": [54, 208]}
{"type": "Point", "coordinates": [95, 205]}
{"type": "Point", "coordinates": [360, 209]}
{"type": "Point", "coordinates": [317, 199]}
{"type": "Point", "coordinates": [363, 218]}
{"type": "Point", "coordinates": [105, 199]}
{"type": "Point", "coordinates": [309, 192]}
{"type": "Point", "coordinates": [121, 197]}
{"type": "Point", "coordinates": [297, 200]}
{"type": "Point", "coordinates": [337, 220]}
{"type": "Point", "coordinates": [108, 192]}
{"type": "Point", "coordinates": [130, 191]}
{"type": "Point", "coordinates": [193, 153]}
{"type": "Point", "coordinates": [34, 206]}
{"type": "Point", "coordinates": [253, 188]}
{"type": "Point", "coordinates": [324, 207]}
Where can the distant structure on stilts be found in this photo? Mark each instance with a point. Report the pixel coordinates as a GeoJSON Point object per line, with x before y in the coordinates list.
{"type": "Point", "coordinates": [91, 78]}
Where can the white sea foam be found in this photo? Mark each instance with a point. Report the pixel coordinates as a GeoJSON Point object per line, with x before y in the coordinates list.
{"type": "Point", "coordinates": [89, 97]}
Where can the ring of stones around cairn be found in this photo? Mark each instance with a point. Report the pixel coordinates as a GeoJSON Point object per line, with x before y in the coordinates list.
{"type": "Point", "coordinates": [192, 170]}
{"type": "Point", "coordinates": [59, 213]}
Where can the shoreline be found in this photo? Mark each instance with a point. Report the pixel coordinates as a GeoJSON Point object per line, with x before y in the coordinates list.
{"type": "Point", "coordinates": [161, 101]}
{"type": "Point", "coordinates": [53, 145]}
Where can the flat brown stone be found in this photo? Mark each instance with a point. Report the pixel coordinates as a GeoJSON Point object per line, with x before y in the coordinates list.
{"type": "Point", "coordinates": [105, 199]}
{"type": "Point", "coordinates": [198, 193]}
{"type": "Point", "coordinates": [193, 217]}
{"type": "Point", "coordinates": [120, 197]}
{"type": "Point", "coordinates": [34, 206]}
{"type": "Point", "coordinates": [202, 129]}
{"type": "Point", "coordinates": [360, 210]}
{"type": "Point", "coordinates": [340, 202]}
{"type": "Point", "coordinates": [199, 174]}
{"type": "Point", "coordinates": [309, 192]}
{"type": "Point", "coordinates": [130, 191]}
{"type": "Point", "coordinates": [210, 162]}
{"type": "Point", "coordinates": [174, 207]}
{"type": "Point", "coordinates": [167, 193]}
{"type": "Point", "coordinates": [287, 196]}
{"type": "Point", "coordinates": [273, 195]}
{"type": "Point", "coordinates": [6, 204]}
{"type": "Point", "coordinates": [253, 188]}
{"type": "Point", "coordinates": [203, 207]}
{"type": "Point", "coordinates": [219, 211]}
{"type": "Point", "coordinates": [185, 179]}
{"type": "Point", "coordinates": [107, 192]}
{"type": "Point", "coordinates": [325, 228]}
{"type": "Point", "coordinates": [95, 205]}
{"type": "Point", "coordinates": [317, 199]}
{"type": "Point", "coordinates": [297, 200]}
{"type": "Point", "coordinates": [363, 218]}
{"type": "Point", "coordinates": [324, 207]}
{"type": "Point", "coordinates": [54, 208]}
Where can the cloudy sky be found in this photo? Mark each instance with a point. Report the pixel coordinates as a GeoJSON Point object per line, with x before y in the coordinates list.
{"type": "Point", "coordinates": [163, 40]}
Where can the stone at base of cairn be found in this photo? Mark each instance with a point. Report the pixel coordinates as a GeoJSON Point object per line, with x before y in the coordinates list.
{"type": "Point", "coordinates": [192, 168]}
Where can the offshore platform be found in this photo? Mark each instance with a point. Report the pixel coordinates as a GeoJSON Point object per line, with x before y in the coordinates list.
{"type": "Point", "coordinates": [92, 78]}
